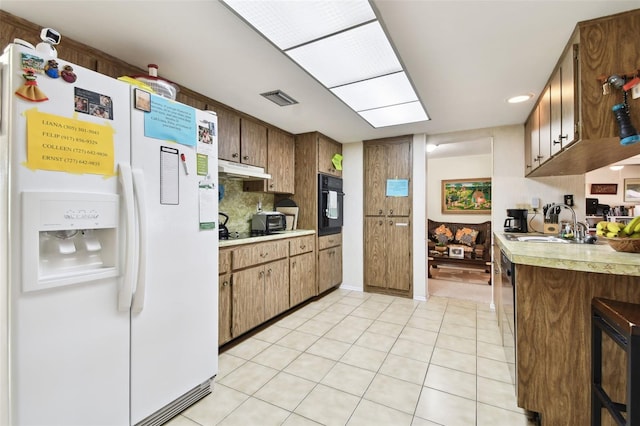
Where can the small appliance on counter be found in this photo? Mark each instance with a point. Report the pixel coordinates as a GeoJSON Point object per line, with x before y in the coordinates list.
{"type": "Point", "coordinates": [223, 232]}
{"type": "Point", "coordinates": [516, 221]}
{"type": "Point", "coordinates": [265, 223]}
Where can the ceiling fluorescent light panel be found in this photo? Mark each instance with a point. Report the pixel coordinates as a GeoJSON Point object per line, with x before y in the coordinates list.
{"type": "Point", "coordinates": [377, 92]}
{"type": "Point", "coordinates": [396, 114]}
{"type": "Point", "coordinates": [358, 54]}
{"type": "Point", "coordinates": [292, 23]}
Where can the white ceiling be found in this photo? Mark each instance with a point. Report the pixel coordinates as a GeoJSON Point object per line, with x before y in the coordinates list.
{"type": "Point", "coordinates": [464, 57]}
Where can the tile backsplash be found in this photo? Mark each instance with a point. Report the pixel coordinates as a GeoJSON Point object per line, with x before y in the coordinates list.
{"type": "Point", "coordinates": [240, 206]}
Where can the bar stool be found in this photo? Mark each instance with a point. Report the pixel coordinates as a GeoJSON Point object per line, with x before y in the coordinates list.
{"type": "Point", "coordinates": [621, 321]}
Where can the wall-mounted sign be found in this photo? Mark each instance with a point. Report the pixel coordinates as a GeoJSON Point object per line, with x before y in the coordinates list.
{"type": "Point", "coordinates": [397, 188]}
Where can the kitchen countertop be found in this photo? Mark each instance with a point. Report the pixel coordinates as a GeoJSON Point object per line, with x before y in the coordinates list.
{"type": "Point", "coordinates": [599, 257]}
{"type": "Point", "coordinates": [262, 238]}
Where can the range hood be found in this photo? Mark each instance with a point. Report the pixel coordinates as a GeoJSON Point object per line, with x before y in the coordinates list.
{"type": "Point", "coordinates": [241, 171]}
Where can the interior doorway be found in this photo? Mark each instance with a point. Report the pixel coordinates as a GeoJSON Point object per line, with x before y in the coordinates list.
{"type": "Point", "coordinates": [459, 159]}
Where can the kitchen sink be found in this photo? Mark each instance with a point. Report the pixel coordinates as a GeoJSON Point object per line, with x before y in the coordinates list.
{"type": "Point", "coordinates": [538, 239]}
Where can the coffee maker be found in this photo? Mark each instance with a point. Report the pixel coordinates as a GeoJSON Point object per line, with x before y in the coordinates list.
{"type": "Point", "coordinates": [516, 221]}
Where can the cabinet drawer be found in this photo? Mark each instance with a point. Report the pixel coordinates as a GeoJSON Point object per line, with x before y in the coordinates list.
{"type": "Point", "coordinates": [301, 245]}
{"type": "Point", "coordinates": [329, 241]}
{"type": "Point", "coordinates": [224, 261]}
{"type": "Point", "coordinates": [259, 253]}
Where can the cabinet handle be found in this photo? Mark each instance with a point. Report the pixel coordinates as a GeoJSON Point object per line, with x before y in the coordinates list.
{"type": "Point", "coordinates": [390, 223]}
{"type": "Point", "coordinates": [302, 247]}
{"type": "Point", "coordinates": [264, 254]}
{"type": "Point", "coordinates": [269, 272]}
{"type": "Point", "coordinates": [380, 223]}
{"type": "Point", "coordinates": [225, 284]}
{"type": "Point", "coordinates": [380, 212]}
{"type": "Point", "coordinates": [271, 186]}
{"type": "Point", "coordinates": [234, 155]}
{"type": "Point", "coordinates": [391, 211]}
{"type": "Point", "coordinates": [293, 265]}
{"type": "Point", "coordinates": [246, 157]}
{"type": "Point", "coordinates": [261, 274]}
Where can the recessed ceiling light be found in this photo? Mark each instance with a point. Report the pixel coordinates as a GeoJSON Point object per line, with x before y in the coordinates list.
{"type": "Point", "coordinates": [616, 168]}
{"type": "Point", "coordinates": [520, 98]}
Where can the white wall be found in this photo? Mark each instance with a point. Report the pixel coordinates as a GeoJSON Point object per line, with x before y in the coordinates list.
{"type": "Point", "coordinates": [353, 227]}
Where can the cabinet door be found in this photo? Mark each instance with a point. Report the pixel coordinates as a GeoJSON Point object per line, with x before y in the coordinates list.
{"type": "Point", "coordinates": [398, 165]}
{"type": "Point", "coordinates": [247, 310]}
{"type": "Point", "coordinates": [569, 67]}
{"type": "Point", "coordinates": [276, 288]}
{"type": "Point", "coordinates": [253, 143]}
{"type": "Point", "coordinates": [302, 273]}
{"type": "Point", "coordinates": [555, 114]}
{"type": "Point", "coordinates": [336, 266]}
{"type": "Point", "coordinates": [281, 162]}
{"type": "Point", "coordinates": [224, 308]}
{"type": "Point", "coordinates": [375, 252]}
{"type": "Point", "coordinates": [228, 135]}
{"type": "Point", "coordinates": [545, 126]}
{"type": "Point", "coordinates": [374, 180]}
{"type": "Point", "coordinates": [329, 268]}
{"type": "Point", "coordinates": [528, 160]}
{"type": "Point", "coordinates": [535, 138]}
{"type": "Point", "coordinates": [326, 150]}
{"type": "Point", "coordinates": [398, 256]}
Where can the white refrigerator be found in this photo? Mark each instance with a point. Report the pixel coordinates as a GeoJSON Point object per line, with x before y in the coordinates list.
{"type": "Point", "coordinates": [108, 248]}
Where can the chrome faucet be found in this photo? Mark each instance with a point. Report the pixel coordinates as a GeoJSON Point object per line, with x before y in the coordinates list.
{"type": "Point", "coordinates": [573, 217]}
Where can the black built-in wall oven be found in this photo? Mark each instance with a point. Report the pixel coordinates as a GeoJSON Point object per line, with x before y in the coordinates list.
{"type": "Point", "coordinates": [330, 204]}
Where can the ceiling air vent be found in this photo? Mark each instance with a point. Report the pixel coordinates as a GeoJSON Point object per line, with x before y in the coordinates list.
{"type": "Point", "coordinates": [279, 97]}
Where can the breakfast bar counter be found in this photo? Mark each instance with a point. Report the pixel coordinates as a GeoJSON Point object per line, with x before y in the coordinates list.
{"type": "Point", "coordinates": [598, 257]}
{"type": "Point", "coordinates": [554, 286]}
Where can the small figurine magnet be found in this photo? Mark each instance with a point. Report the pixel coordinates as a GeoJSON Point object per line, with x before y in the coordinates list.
{"type": "Point", "coordinates": [67, 74]}
{"type": "Point", "coordinates": [51, 69]}
{"type": "Point", "coordinates": [30, 90]}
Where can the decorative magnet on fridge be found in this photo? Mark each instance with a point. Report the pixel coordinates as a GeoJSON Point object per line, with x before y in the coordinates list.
{"type": "Point", "coordinates": [67, 74]}
{"type": "Point", "coordinates": [51, 69]}
{"type": "Point", "coordinates": [30, 90]}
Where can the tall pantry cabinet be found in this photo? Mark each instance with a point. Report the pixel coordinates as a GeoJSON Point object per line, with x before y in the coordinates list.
{"type": "Point", "coordinates": [313, 153]}
{"type": "Point", "coordinates": [387, 216]}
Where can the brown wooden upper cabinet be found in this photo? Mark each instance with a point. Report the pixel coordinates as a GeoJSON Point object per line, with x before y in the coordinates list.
{"type": "Point", "coordinates": [280, 165]}
{"type": "Point", "coordinates": [241, 140]}
{"type": "Point", "coordinates": [326, 150]}
{"type": "Point", "coordinates": [384, 162]}
{"type": "Point", "coordinates": [574, 111]}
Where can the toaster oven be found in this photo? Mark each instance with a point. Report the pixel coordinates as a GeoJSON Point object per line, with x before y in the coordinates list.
{"type": "Point", "coordinates": [265, 223]}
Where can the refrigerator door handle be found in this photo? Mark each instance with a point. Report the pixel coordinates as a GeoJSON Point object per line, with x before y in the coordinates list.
{"type": "Point", "coordinates": [138, 190]}
{"type": "Point", "coordinates": [126, 290]}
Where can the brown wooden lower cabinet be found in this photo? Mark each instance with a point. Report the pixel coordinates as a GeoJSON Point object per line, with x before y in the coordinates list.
{"type": "Point", "coordinates": [302, 278]}
{"type": "Point", "coordinates": [276, 288]}
{"type": "Point", "coordinates": [247, 310]}
{"type": "Point", "coordinates": [387, 255]}
{"type": "Point", "coordinates": [224, 308]}
{"type": "Point", "coordinates": [262, 280]}
{"type": "Point", "coordinates": [329, 262]}
{"type": "Point", "coordinates": [553, 341]}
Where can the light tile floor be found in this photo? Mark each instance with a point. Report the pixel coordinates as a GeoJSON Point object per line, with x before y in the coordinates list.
{"type": "Point", "coordinates": [354, 358]}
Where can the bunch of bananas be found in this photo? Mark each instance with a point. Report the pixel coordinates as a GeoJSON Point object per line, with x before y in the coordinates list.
{"type": "Point", "coordinates": [617, 229]}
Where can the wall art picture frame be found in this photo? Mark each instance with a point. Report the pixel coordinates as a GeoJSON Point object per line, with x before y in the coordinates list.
{"type": "Point", "coordinates": [466, 196]}
{"type": "Point", "coordinates": [632, 190]}
{"type": "Point", "coordinates": [604, 188]}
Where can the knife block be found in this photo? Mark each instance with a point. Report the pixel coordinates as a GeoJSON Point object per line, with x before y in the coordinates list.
{"type": "Point", "coordinates": [551, 228]}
